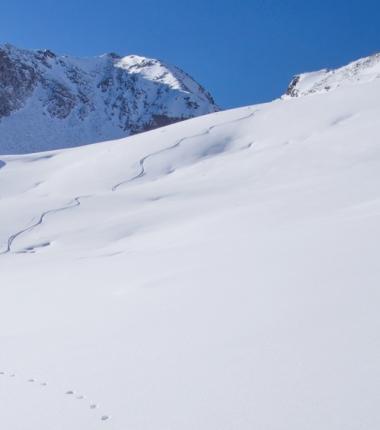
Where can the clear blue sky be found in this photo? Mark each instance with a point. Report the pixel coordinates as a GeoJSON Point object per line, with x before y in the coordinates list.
{"type": "Point", "coordinates": [243, 51]}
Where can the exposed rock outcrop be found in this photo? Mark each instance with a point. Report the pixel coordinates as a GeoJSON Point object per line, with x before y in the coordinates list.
{"type": "Point", "coordinates": [49, 101]}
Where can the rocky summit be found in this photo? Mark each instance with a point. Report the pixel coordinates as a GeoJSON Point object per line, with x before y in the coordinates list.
{"type": "Point", "coordinates": [48, 101]}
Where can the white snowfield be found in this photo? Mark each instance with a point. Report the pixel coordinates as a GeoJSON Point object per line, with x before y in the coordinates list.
{"type": "Point", "coordinates": [221, 273]}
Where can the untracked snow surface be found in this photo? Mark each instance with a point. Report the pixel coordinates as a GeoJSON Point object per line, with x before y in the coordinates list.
{"type": "Point", "coordinates": [217, 274]}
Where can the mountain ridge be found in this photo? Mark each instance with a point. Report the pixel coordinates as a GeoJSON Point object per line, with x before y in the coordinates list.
{"type": "Point", "coordinates": [359, 71]}
{"type": "Point", "coordinates": [47, 100]}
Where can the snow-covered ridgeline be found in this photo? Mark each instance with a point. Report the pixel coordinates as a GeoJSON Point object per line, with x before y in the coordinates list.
{"type": "Point", "coordinates": [49, 101]}
{"type": "Point", "coordinates": [361, 71]}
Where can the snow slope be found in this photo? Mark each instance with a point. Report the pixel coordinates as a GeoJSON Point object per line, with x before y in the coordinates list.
{"type": "Point", "coordinates": [217, 274]}
{"type": "Point", "coordinates": [361, 71]}
{"type": "Point", "coordinates": [49, 101]}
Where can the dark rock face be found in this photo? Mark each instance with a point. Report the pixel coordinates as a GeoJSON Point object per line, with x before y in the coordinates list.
{"type": "Point", "coordinates": [49, 101]}
{"type": "Point", "coordinates": [292, 90]}
{"type": "Point", "coordinates": [17, 82]}
{"type": "Point", "coordinates": [61, 101]}
{"type": "Point", "coordinates": [160, 121]}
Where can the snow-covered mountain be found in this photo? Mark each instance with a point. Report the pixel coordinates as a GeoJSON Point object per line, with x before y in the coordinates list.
{"type": "Point", "coordinates": [215, 274]}
{"type": "Point", "coordinates": [49, 101]}
{"type": "Point", "coordinates": [360, 71]}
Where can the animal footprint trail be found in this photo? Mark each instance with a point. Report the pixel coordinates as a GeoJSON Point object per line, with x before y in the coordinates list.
{"type": "Point", "coordinates": [70, 393]}
{"type": "Point", "coordinates": [105, 418]}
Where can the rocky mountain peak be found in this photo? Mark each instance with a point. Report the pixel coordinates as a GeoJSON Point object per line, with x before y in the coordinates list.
{"type": "Point", "coordinates": [48, 100]}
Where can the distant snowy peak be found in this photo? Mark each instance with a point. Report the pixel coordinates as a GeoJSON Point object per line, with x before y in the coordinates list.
{"type": "Point", "coordinates": [157, 71]}
{"type": "Point", "coordinates": [48, 100]}
{"type": "Point", "coordinates": [360, 71]}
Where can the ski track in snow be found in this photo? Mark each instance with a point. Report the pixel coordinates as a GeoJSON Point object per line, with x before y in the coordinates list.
{"type": "Point", "coordinates": [142, 161]}
{"type": "Point", "coordinates": [74, 203]}
{"type": "Point", "coordinates": [91, 405]}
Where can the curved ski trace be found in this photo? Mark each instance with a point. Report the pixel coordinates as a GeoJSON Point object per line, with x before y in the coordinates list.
{"type": "Point", "coordinates": [74, 203]}
{"type": "Point", "coordinates": [142, 161]}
